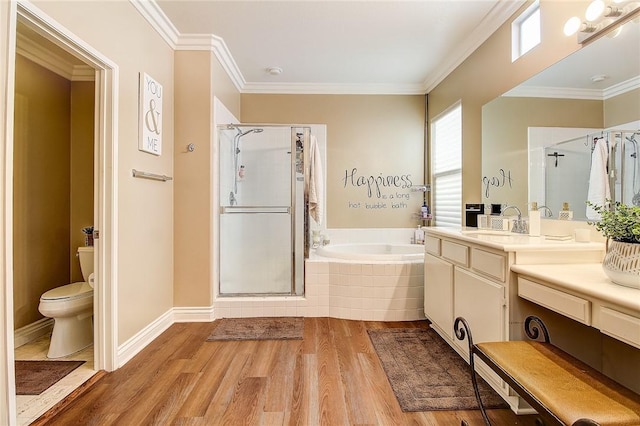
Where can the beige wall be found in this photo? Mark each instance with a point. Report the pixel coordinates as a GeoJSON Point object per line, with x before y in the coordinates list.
{"type": "Point", "coordinates": [198, 77]}
{"type": "Point", "coordinates": [489, 72]}
{"type": "Point", "coordinates": [622, 109]}
{"type": "Point", "coordinates": [82, 141]}
{"type": "Point", "coordinates": [505, 124]}
{"type": "Point", "coordinates": [42, 199]}
{"type": "Point", "coordinates": [379, 136]}
{"type": "Point", "coordinates": [53, 183]}
{"type": "Point", "coordinates": [144, 275]}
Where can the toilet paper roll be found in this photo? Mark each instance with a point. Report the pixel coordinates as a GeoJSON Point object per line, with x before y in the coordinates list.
{"type": "Point", "coordinates": [91, 280]}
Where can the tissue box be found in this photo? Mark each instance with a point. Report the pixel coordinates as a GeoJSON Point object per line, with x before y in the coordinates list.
{"type": "Point", "coordinates": [483, 221]}
{"type": "Point", "coordinates": [501, 223]}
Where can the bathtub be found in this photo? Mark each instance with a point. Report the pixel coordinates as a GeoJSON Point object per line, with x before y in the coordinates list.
{"type": "Point", "coordinates": [375, 252]}
{"type": "Point", "coordinates": [367, 282]}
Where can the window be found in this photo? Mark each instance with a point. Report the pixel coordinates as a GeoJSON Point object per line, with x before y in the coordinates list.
{"type": "Point", "coordinates": [446, 166]}
{"type": "Point", "coordinates": [525, 31]}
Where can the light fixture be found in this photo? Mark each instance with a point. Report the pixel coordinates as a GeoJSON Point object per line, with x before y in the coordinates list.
{"type": "Point", "coordinates": [572, 26]}
{"type": "Point", "coordinates": [594, 10]}
{"type": "Point", "coordinates": [274, 70]}
{"type": "Point", "coordinates": [602, 17]}
{"type": "Point", "coordinates": [598, 78]}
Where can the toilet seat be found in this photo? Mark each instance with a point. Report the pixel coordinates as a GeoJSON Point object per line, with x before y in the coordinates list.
{"type": "Point", "coordinates": [68, 292]}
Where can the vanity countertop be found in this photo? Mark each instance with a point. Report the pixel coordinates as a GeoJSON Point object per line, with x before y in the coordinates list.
{"type": "Point", "coordinates": [586, 279]}
{"type": "Point", "coordinates": [508, 241]}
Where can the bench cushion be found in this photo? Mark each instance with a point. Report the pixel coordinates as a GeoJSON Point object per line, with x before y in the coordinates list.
{"type": "Point", "coordinates": [565, 386]}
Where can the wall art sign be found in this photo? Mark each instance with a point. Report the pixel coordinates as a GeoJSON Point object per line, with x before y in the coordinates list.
{"type": "Point", "coordinates": [150, 120]}
{"type": "Point", "coordinates": [377, 192]}
{"type": "Point", "coordinates": [502, 180]}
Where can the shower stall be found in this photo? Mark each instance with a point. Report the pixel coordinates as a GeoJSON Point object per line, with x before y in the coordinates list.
{"type": "Point", "coordinates": [568, 169]}
{"type": "Point", "coordinates": [625, 162]}
{"type": "Point", "coordinates": [263, 209]}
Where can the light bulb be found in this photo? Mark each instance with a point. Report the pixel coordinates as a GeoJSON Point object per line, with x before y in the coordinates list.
{"type": "Point", "coordinates": [594, 10]}
{"type": "Point", "coordinates": [572, 26]}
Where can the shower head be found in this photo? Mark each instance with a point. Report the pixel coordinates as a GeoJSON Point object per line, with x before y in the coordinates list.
{"type": "Point", "coordinates": [241, 133]}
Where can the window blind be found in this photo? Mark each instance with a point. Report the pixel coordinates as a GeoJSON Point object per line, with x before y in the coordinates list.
{"type": "Point", "coordinates": [446, 164]}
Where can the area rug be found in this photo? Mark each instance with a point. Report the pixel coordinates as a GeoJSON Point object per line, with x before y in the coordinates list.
{"type": "Point", "coordinates": [277, 328]}
{"type": "Point", "coordinates": [35, 377]}
{"type": "Point", "coordinates": [426, 374]}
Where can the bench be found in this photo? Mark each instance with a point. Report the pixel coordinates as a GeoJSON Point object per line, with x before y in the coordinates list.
{"type": "Point", "coordinates": [562, 389]}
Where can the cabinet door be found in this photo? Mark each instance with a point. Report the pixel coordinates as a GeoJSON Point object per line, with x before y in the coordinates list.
{"type": "Point", "coordinates": [438, 293]}
{"type": "Point", "coordinates": [482, 303]}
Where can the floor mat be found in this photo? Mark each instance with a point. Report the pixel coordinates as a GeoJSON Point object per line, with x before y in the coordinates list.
{"type": "Point", "coordinates": [277, 328]}
{"type": "Point", "coordinates": [34, 377]}
{"type": "Point", "coordinates": [426, 374]}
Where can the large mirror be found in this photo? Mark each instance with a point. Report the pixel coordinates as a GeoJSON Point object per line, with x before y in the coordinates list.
{"type": "Point", "coordinates": [540, 139]}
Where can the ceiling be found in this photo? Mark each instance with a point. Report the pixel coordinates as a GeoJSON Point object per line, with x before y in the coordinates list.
{"type": "Point", "coordinates": [343, 46]}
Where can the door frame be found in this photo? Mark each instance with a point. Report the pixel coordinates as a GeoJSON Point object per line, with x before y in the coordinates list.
{"type": "Point", "coordinates": [105, 193]}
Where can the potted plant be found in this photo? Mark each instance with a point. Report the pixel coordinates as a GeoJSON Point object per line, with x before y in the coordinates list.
{"type": "Point", "coordinates": [620, 224]}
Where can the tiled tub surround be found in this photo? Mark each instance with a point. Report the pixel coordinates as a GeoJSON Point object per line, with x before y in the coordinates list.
{"type": "Point", "coordinates": [366, 290]}
{"type": "Point", "coordinates": [359, 290]}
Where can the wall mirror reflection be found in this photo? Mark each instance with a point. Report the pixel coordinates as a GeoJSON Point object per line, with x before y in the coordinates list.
{"type": "Point", "coordinates": [543, 134]}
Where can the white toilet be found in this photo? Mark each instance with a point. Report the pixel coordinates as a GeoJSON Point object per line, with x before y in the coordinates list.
{"type": "Point", "coordinates": [71, 307]}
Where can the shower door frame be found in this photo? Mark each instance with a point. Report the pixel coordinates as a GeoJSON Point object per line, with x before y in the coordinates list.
{"type": "Point", "coordinates": [294, 129]}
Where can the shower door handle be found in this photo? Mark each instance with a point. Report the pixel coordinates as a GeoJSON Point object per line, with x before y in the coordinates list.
{"type": "Point", "coordinates": [254, 209]}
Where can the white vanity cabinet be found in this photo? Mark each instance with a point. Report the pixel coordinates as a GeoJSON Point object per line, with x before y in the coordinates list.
{"type": "Point", "coordinates": [468, 274]}
{"type": "Point", "coordinates": [462, 279]}
{"type": "Point", "coordinates": [466, 280]}
{"type": "Point", "coordinates": [438, 295]}
{"type": "Point", "coordinates": [483, 304]}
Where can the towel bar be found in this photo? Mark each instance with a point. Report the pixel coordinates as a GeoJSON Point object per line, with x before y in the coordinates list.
{"type": "Point", "coordinates": [152, 176]}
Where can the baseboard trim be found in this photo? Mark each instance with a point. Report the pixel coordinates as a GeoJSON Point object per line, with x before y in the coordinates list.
{"type": "Point", "coordinates": [193, 314]}
{"type": "Point", "coordinates": [33, 331]}
{"type": "Point", "coordinates": [135, 344]}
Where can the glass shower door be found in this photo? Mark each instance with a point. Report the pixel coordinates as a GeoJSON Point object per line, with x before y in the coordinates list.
{"type": "Point", "coordinates": [255, 211]}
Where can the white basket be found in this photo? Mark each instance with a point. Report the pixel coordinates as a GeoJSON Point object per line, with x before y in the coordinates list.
{"type": "Point", "coordinates": [622, 263]}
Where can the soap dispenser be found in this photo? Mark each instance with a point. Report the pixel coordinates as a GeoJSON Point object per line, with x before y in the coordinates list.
{"type": "Point", "coordinates": [418, 235]}
{"type": "Point", "coordinates": [534, 220]}
{"type": "Point", "coordinates": [565, 213]}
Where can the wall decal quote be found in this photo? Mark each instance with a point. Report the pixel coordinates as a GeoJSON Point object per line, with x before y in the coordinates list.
{"type": "Point", "coordinates": [501, 180]}
{"type": "Point", "coordinates": [382, 191]}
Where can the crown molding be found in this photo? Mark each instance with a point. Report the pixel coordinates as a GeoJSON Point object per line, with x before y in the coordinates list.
{"type": "Point", "coordinates": [46, 58]}
{"type": "Point", "coordinates": [496, 17]}
{"type": "Point", "coordinates": [621, 88]}
{"type": "Point", "coordinates": [150, 11]}
{"type": "Point", "coordinates": [568, 93]}
{"type": "Point", "coordinates": [333, 89]}
{"type": "Point", "coordinates": [554, 92]}
{"type": "Point", "coordinates": [217, 45]}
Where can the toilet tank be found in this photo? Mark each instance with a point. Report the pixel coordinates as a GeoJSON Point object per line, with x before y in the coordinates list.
{"type": "Point", "coordinates": [85, 254]}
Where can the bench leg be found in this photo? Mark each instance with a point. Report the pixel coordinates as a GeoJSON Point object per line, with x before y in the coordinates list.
{"type": "Point", "coordinates": [462, 330]}
{"type": "Point", "coordinates": [531, 324]}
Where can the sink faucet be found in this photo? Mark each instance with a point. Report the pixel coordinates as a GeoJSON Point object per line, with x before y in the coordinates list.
{"type": "Point", "coordinates": [550, 213]}
{"type": "Point", "coordinates": [519, 225]}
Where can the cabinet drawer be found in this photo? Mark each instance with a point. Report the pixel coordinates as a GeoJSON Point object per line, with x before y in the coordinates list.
{"type": "Point", "coordinates": [432, 245]}
{"type": "Point", "coordinates": [456, 253]}
{"type": "Point", "coordinates": [488, 263]}
{"type": "Point", "coordinates": [620, 326]}
{"type": "Point", "coordinates": [558, 301]}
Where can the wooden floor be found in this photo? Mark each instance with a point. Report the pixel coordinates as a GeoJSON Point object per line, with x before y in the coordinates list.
{"type": "Point", "coordinates": [331, 377]}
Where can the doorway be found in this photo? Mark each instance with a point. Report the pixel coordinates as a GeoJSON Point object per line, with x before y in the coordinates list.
{"type": "Point", "coordinates": [27, 18]}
